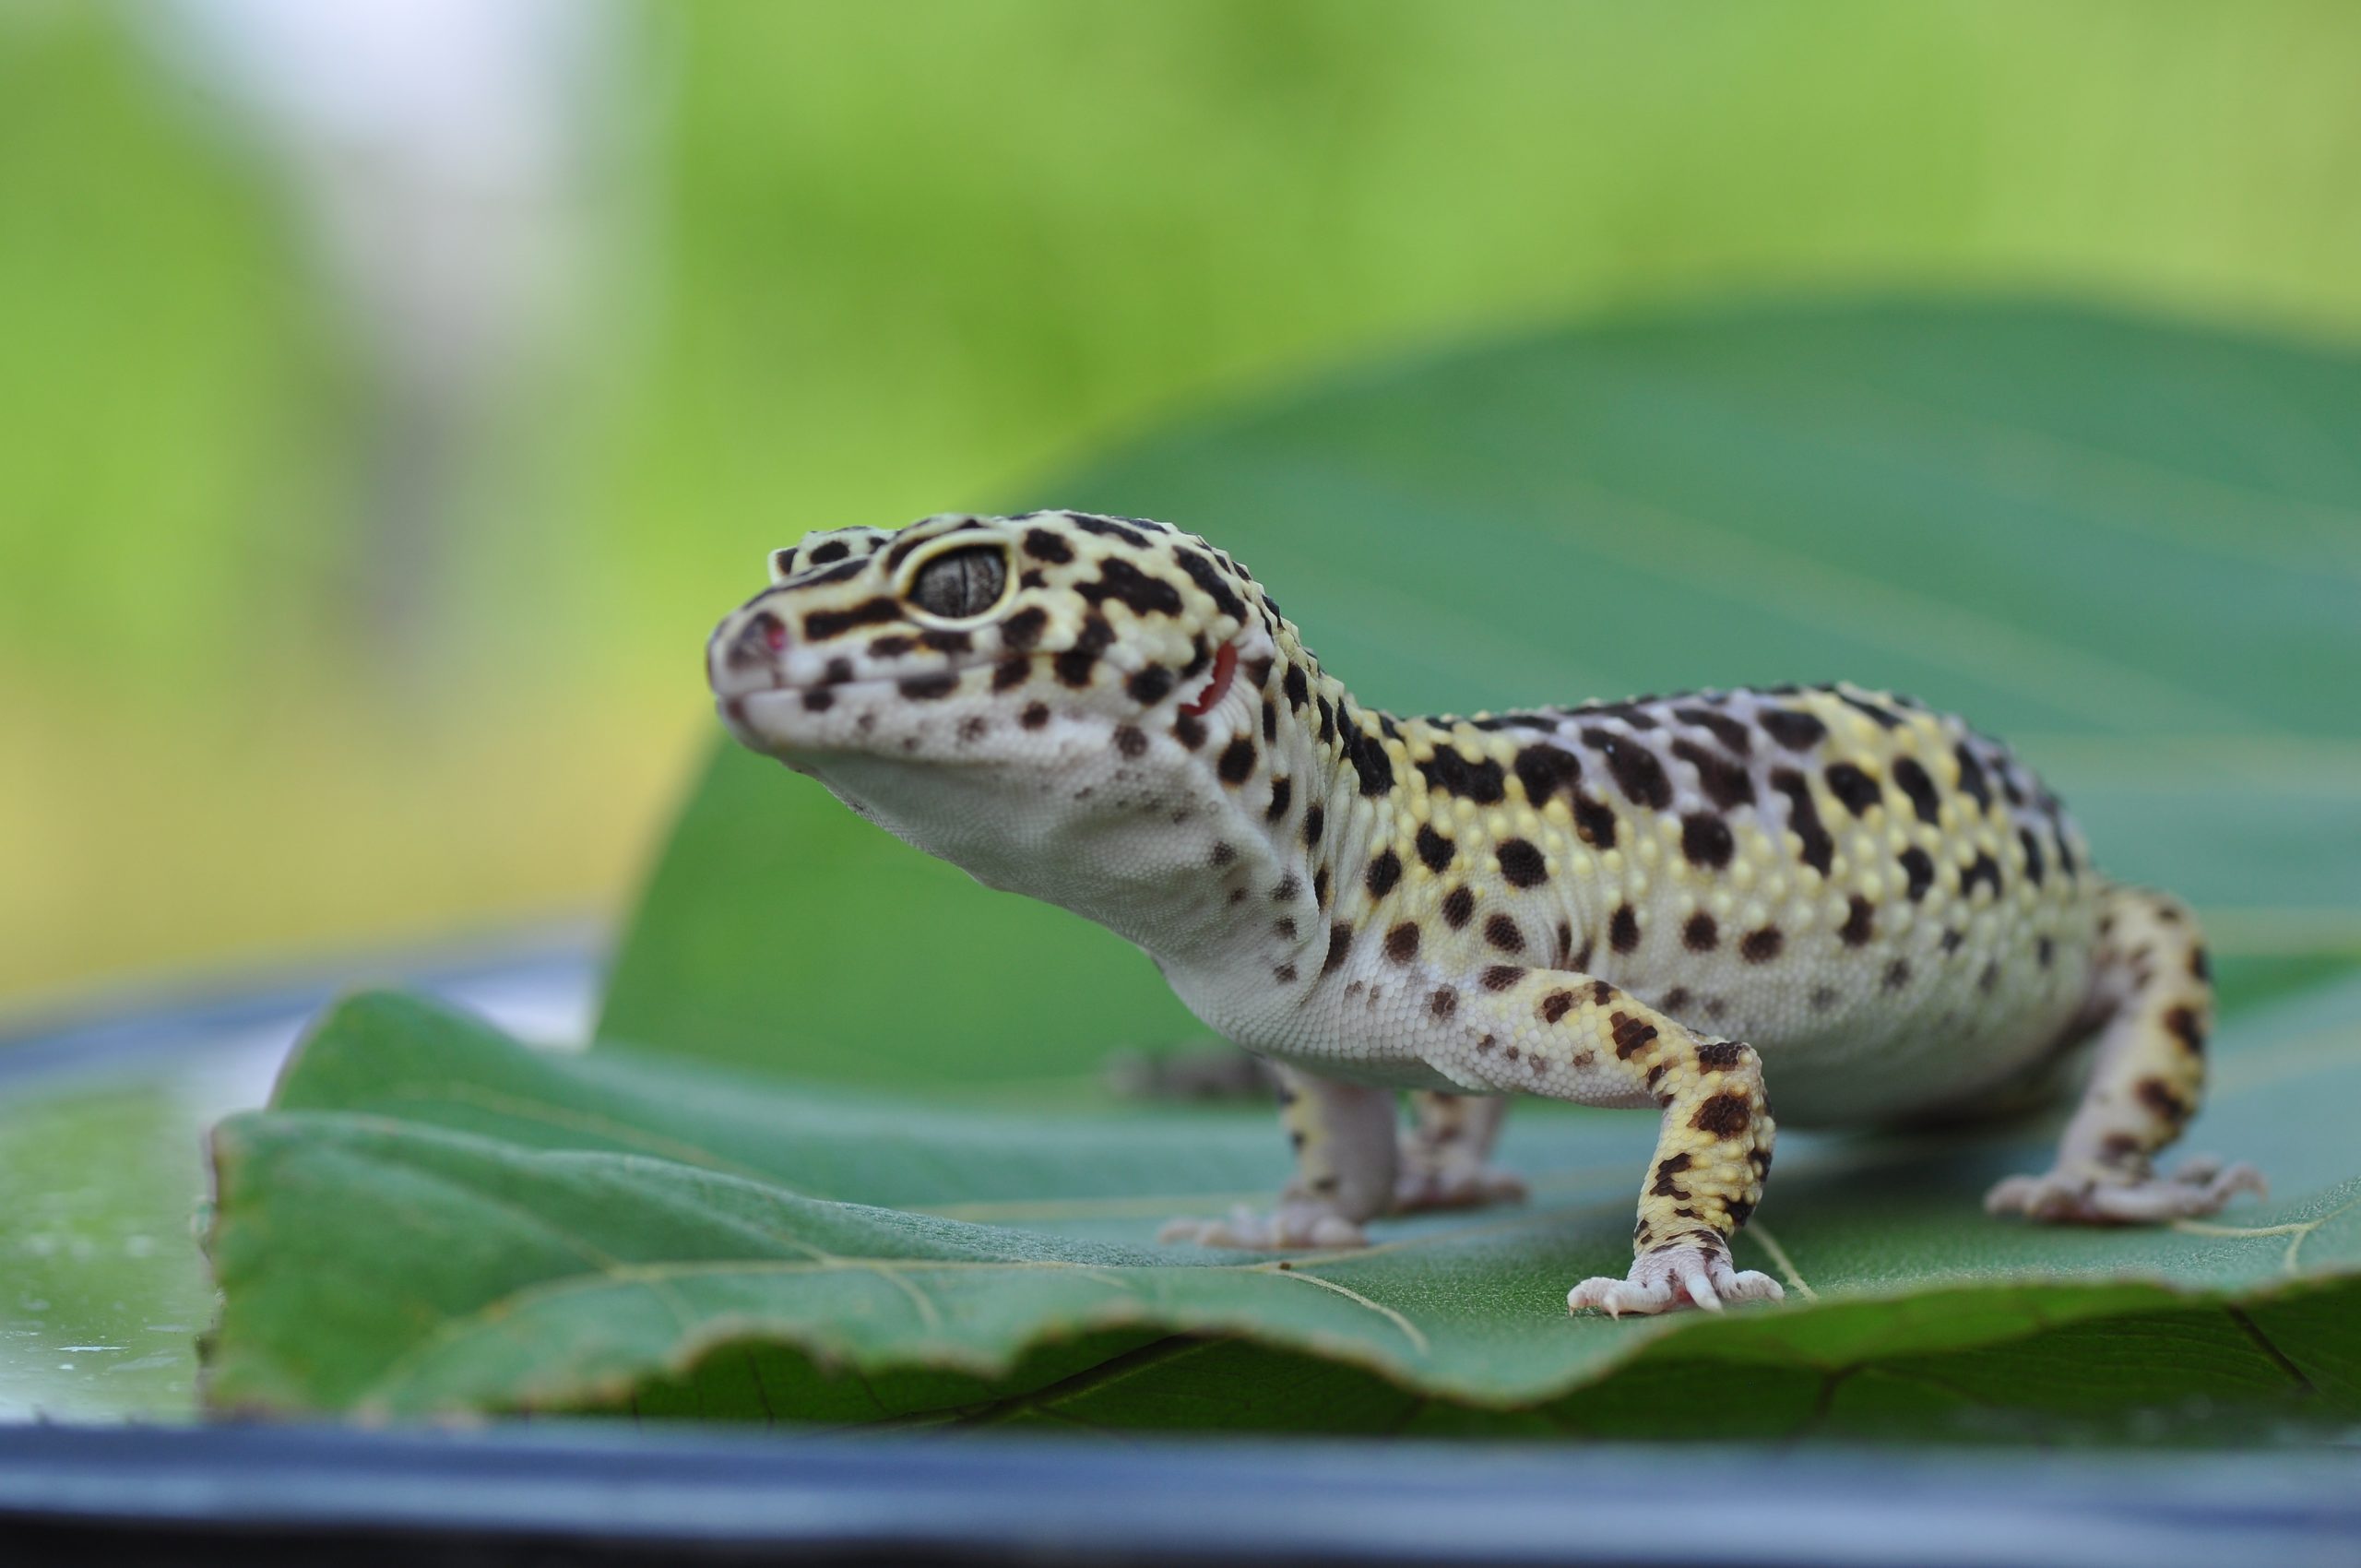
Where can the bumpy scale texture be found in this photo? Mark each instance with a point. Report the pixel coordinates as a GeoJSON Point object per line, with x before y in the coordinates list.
{"type": "Point", "coordinates": [1826, 899]}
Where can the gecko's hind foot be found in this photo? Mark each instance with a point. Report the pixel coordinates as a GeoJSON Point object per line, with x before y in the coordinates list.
{"type": "Point", "coordinates": [1290, 1227]}
{"type": "Point", "coordinates": [2200, 1187]}
{"type": "Point", "coordinates": [1458, 1185]}
{"type": "Point", "coordinates": [1679, 1274]}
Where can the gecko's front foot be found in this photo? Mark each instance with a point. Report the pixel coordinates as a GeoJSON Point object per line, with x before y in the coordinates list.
{"type": "Point", "coordinates": [2096, 1196]}
{"type": "Point", "coordinates": [1678, 1274]}
{"type": "Point", "coordinates": [1295, 1223]}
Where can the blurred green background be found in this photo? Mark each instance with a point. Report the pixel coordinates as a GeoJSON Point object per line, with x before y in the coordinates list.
{"type": "Point", "coordinates": [362, 508]}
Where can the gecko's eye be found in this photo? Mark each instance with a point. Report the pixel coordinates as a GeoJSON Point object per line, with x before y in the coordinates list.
{"type": "Point", "coordinates": [958, 584]}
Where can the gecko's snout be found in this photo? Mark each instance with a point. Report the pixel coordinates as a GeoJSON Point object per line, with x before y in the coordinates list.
{"type": "Point", "coordinates": [745, 649]}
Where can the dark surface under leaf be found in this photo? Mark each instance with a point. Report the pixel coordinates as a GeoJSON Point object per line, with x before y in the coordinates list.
{"type": "Point", "coordinates": [844, 1153]}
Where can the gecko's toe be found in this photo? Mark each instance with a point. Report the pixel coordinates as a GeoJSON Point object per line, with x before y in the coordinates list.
{"type": "Point", "coordinates": [1288, 1227]}
{"type": "Point", "coordinates": [1674, 1277]}
{"type": "Point", "coordinates": [2200, 1187]}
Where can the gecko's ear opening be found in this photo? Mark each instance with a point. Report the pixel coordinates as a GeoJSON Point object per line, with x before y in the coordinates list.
{"type": "Point", "coordinates": [782, 564]}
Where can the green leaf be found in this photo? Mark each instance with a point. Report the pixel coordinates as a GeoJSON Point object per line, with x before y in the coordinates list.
{"type": "Point", "coordinates": [842, 1153]}
{"type": "Point", "coordinates": [2132, 549]}
{"type": "Point", "coordinates": [434, 1219]}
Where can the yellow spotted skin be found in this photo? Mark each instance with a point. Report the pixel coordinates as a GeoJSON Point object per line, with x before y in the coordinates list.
{"type": "Point", "coordinates": [1826, 899]}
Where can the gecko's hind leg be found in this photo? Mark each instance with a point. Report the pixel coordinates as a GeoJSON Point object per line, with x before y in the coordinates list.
{"type": "Point", "coordinates": [2145, 1082]}
{"type": "Point", "coordinates": [1446, 1154]}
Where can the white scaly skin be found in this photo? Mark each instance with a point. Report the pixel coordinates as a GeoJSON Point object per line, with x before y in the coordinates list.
{"type": "Point", "coordinates": [1651, 904]}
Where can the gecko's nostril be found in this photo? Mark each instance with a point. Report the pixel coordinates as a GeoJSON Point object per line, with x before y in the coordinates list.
{"type": "Point", "coordinates": [763, 637]}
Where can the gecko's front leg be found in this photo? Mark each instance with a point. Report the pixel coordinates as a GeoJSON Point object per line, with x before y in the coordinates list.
{"type": "Point", "coordinates": [1345, 1149]}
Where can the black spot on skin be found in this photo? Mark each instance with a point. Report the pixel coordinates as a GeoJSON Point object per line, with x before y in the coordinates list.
{"type": "Point", "coordinates": [1860, 922]}
{"type": "Point", "coordinates": [1284, 974]}
{"type": "Point", "coordinates": [1762, 946]}
{"type": "Point", "coordinates": [1637, 772]}
{"type": "Point", "coordinates": [1199, 656]}
{"type": "Point", "coordinates": [1706, 840]}
{"type": "Point", "coordinates": [1222, 854]}
{"type": "Point", "coordinates": [1720, 1055]}
{"type": "Point", "coordinates": [1971, 777]}
{"type": "Point", "coordinates": [1036, 714]}
{"type": "Point", "coordinates": [1854, 786]}
{"type": "Point", "coordinates": [1128, 586]}
{"type": "Point", "coordinates": [2044, 952]}
{"type": "Point", "coordinates": [1257, 671]}
{"type": "Point", "coordinates": [2201, 966]}
{"type": "Point", "coordinates": [1367, 754]}
{"type": "Point", "coordinates": [1724, 1116]}
{"type": "Point", "coordinates": [1555, 1005]}
{"type": "Point", "coordinates": [1282, 794]}
{"type": "Point", "coordinates": [839, 671]}
{"type": "Point", "coordinates": [1981, 869]}
{"type": "Point", "coordinates": [1727, 731]}
{"type": "Point", "coordinates": [1595, 821]}
{"type": "Point", "coordinates": [1920, 789]}
{"type": "Point", "coordinates": [891, 648]}
{"type": "Point", "coordinates": [1190, 730]}
{"type": "Point", "coordinates": [1796, 731]}
{"type": "Point", "coordinates": [1043, 545]}
{"type": "Point", "coordinates": [1298, 690]}
{"type": "Point", "coordinates": [1623, 929]}
{"type": "Point", "coordinates": [1566, 942]}
{"type": "Point", "coordinates": [1327, 719]}
{"type": "Point", "coordinates": [1521, 863]}
{"type": "Point", "coordinates": [1270, 721]}
{"type": "Point", "coordinates": [1383, 873]}
{"type": "Point", "coordinates": [819, 699]}
{"type": "Point", "coordinates": [926, 688]}
{"type": "Point", "coordinates": [1601, 993]}
{"type": "Point", "coordinates": [1150, 686]}
{"type": "Point", "coordinates": [1434, 849]}
{"type": "Point", "coordinates": [1674, 1000]}
{"type": "Point", "coordinates": [1667, 1169]}
{"type": "Point", "coordinates": [1886, 719]}
{"type": "Point", "coordinates": [821, 625]}
{"type": "Point", "coordinates": [2158, 1097]}
{"type": "Point", "coordinates": [2065, 853]}
{"type": "Point", "coordinates": [1202, 573]}
{"type": "Point", "coordinates": [1011, 672]}
{"type": "Point", "coordinates": [1315, 822]}
{"type": "Point", "coordinates": [1074, 664]}
{"type": "Point", "coordinates": [1803, 820]}
{"type": "Point", "coordinates": [1502, 933]}
{"type": "Point", "coordinates": [1320, 887]}
{"type": "Point", "coordinates": [1920, 870]}
{"type": "Point", "coordinates": [1402, 942]}
{"type": "Point", "coordinates": [1632, 1035]}
{"type": "Point", "coordinates": [1990, 976]}
{"type": "Point", "coordinates": [1499, 977]}
{"type": "Point", "coordinates": [1458, 906]}
{"type": "Point", "coordinates": [1482, 780]}
{"type": "Point", "coordinates": [1340, 942]}
{"type": "Point", "coordinates": [1287, 890]}
{"type": "Point", "coordinates": [1543, 770]}
{"type": "Point", "coordinates": [1237, 762]}
{"type": "Point", "coordinates": [1444, 1002]}
{"type": "Point", "coordinates": [834, 550]}
{"type": "Point", "coordinates": [2182, 1025]}
{"type": "Point", "coordinates": [1129, 741]}
{"type": "Point", "coordinates": [2032, 855]}
{"type": "Point", "coordinates": [1725, 782]}
{"type": "Point", "coordinates": [1701, 933]}
{"type": "Point", "coordinates": [1106, 529]}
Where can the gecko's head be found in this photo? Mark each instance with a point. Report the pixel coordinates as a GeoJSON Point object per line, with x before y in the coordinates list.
{"type": "Point", "coordinates": [1009, 641]}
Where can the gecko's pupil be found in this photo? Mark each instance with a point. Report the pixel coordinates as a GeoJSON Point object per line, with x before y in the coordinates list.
{"type": "Point", "coordinates": [960, 583]}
